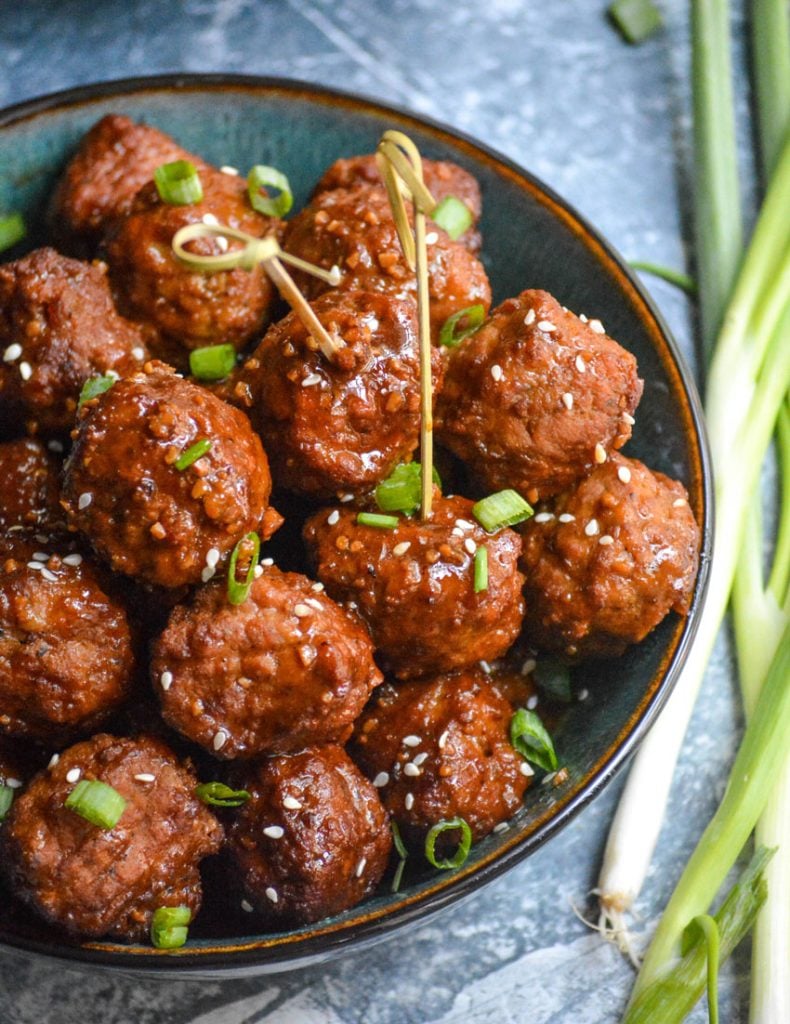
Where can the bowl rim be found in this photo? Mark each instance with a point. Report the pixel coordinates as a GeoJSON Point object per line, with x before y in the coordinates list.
{"type": "Point", "coordinates": [318, 942]}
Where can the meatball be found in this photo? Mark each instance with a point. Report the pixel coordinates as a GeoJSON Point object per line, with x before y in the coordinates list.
{"type": "Point", "coordinates": [354, 230]}
{"type": "Point", "coordinates": [30, 497]}
{"type": "Point", "coordinates": [99, 882]}
{"type": "Point", "coordinates": [149, 518]}
{"type": "Point", "coordinates": [339, 426]}
{"type": "Point", "coordinates": [313, 839]}
{"type": "Point", "coordinates": [115, 159]}
{"type": "Point", "coordinates": [414, 585]}
{"type": "Point", "coordinates": [66, 658]}
{"type": "Point", "coordinates": [610, 560]}
{"type": "Point", "coordinates": [284, 669]}
{"type": "Point", "coordinates": [188, 309]}
{"type": "Point", "coordinates": [58, 327]}
{"type": "Point", "coordinates": [441, 749]}
{"type": "Point", "coordinates": [537, 397]}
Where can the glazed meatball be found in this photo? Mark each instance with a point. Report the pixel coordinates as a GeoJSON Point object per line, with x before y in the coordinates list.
{"type": "Point", "coordinates": [353, 229]}
{"type": "Point", "coordinates": [115, 159]}
{"type": "Point", "coordinates": [537, 397]}
{"type": "Point", "coordinates": [188, 309]}
{"type": "Point", "coordinates": [610, 560]}
{"type": "Point", "coordinates": [30, 497]}
{"type": "Point", "coordinates": [147, 517]}
{"type": "Point", "coordinates": [284, 669]}
{"type": "Point", "coordinates": [414, 585]}
{"type": "Point", "coordinates": [441, 749]}
{"type": "Point", "coordinates": [338, 426]}
{"type": "Point", "coordinates": [99, 882]}
{"type": "Point", "coordinates": [313, 840]}
{"type": "Point", "coordinates": [58, 327]}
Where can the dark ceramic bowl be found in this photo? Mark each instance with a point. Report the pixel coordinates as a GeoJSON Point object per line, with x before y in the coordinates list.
{"type": "Point", "coordinates": [531, 239]}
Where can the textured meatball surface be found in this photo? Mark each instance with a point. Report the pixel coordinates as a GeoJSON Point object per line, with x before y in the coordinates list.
{"type": "Point", "coordinates": [30, 495]}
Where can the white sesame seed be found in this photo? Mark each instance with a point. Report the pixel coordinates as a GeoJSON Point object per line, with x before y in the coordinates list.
{"type": "Point", "coordinates": [402, 548]}
{"type": "Point", "coordinates": [145, 777]}
{"type": "Point", "coordinates": [501, 827]}
{"type": "Point", "coordinates": [361, 866]}
{"type": "Point", "coordinates": [72, 560]}
{"type": "Point", "coordinates": [412, 741]}
{"type": "Point", "coordinates": [381, 780]}
{"type": "Point", "coordinates": [40, 556]}
{"type": "Point", "coordinates": [544, 517]}
{"type": "Point", "coordinates": [455, 532]}
{"type": "Point", "coordinates": [532, 702]}
{"type": "Point", "coordinates": [311, 601]}
{"type": "Point", "coordinates": [530, 317]}
{"type": "Point", "coordinates": [268, 562]}
{"type": "Point", "coordinates": [301, 611]}
{"type": "Point", "coordinates": [25, 371]}
{"type": "Point", "coordinates": [166, 680]}
{"type": "Point", "coordinates": [333, 517]}
{"type": "Point", "coordinates": [583, 317]}
{"type": "Point", "coordinates": [335, 276]}
{"type": "Point", "coordinates": [42, 538]}
{"type": "Point", "coordinates": [317, 587]}
{"type": "Point", "coordinates": [443, 739]}
{"type": "Point", "coordinates": [411, 770]}
{"type": "Point", "coordinates": [84, 500]}
{"type": "Point", "coordinates": [464, 524]}
{"type": "Point", "coordinates": [624, 473]}
{"type": "Point", "coordinates": [547, 326]}
{"type": "Point", "coordinates": [311, 380]}
{"type": "Point", "coordinates": [207, 573]}
{"type": "Point", "coordinates": [55, 446]}
{"type": "Point", "coordinates": [408, 801]}
{"type": "Point", "coordinates": [73, 775]}
{"type": "Point", "coordinates": [420, 758]}
{"type": "Point", "coordinates": [581, 366]}
{"type": "Point", "coordinates": [307, 654]}
{"type": "Point", "coordinates": [53, 760]}
{"type": "Point", "coordinates": [138, 353]}
{"type": "Point", "coordinates": [606, 540]}
{"type": "Point", "coordinates": [49, 575]}
{"type": "Point", "coordinates": [528, 666]}
{"type": "Point", "coordinates": [13, 783]}
{"type": "Point", "coordinates": [597, 326]}
{"type": "Point", "coordinates": [567, 400]}
{"type": "Point", "coordinates": [220, 739]}
{"type": "Point", "coordinates": [112, 373]}
{"type": "Point", "coordinates": [470, 545]}
{"type": "Point", "coordinates": [246, 907]}
{"type": "Point", "coordinates": [678, 503]}
{"type": "Point", "coordinates": [274, 831]}
{"type": "Point", "coordinates": [38, 566]}
{"type": "Point", "coordinates": [291, 803]}
{"type": "Point", "coordinates": [209, 218]}
{"type": "Point", "coordinates": [345, 498]}
{"type": "Point", "coordinates": [566, 517]}
{"type": "Point", "coordinates": [257, 572]}
{"type": "Point", "coordinates": [600, 454]}
{"type": "Point", "coordinates": [271, 894]}
{"type": "Point", "coordinates": [212, 557]}
{"type": "Point", "coordinates": [431, 238]}
{"type": "Point", "coordinates": [583, 694]}
{"type": "Point", "coordinates": [12, 353]}
{"type": "Point", "coordinates": [592, 528]}
{"type": "Point", "coordinates": [496, 372]}
{"type": "Point", "coordinates": [485, 667]}
{"type": "Point", "coordinates": [227, 169]}
{"type": "Point", "coordinates": [526, 768]}
{"type": "Point", "coordinates": [629, 419]}
{"type": "Point", "coordinates": [222, 243]}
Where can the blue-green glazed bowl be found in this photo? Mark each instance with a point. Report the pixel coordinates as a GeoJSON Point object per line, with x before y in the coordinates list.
{"type": "Point", "coordinates": [531, 239]}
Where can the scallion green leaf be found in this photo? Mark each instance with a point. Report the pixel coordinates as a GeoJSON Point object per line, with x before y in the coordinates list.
{"type": "Point", "coordinates": [6, 799]}
{"type": "Point", "coordinates": [400, 849]}
{"type": "Point", "coordinates": [636, 20]}
{"type": "Point", "coordinates": [451, 334]}
{"type": "Point", "coordinates": [680, 280]}
{"type": "Point", "coordinates": [96, 802]}
{"type": "Point", "coordinates": [238, 592]}
{"type": "Point", "coordinates": [706, 926]}
{"type": "Point", "coordinates": [402, 490]}
{"type": "Point", "coordinates": [462, 851]}
{"type": "Point", "coordinates": [192, 454]}
{"type": "Point", "coordinates": [169, 927]}
{"type": "Point", "coordinates": [12, 230]}
{"type": "Point", "coordinates": [269, 177]}
{"type": "Point", "coordinates": [378, 521]}
{"type": "Point", "coordinates": [178, 183]}
{"type": "Point", "coordinates": [93, 387]}
{"type": "Point", "coordinates": [453, 215]}
{"type": "Point", "coordinates": [505, 508]}
{"type": "Point", "coordinates": [481, 569]}
{"type": "Point", "coordinates": [217, 794]}
{"type": "Point", "coordinates": [530, 738]}
{"type": "Point", "coordinates": [212, 362]}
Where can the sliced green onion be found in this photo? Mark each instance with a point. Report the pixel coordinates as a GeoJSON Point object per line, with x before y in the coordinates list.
{"type": "Point", "coordinates": [93, 387]}
{"type": "Point", "coordinates": [192, 454]}
{"type": "Point", "coordinates": [452, 215]}
{"type": "Point", "coordinates": [505, 508]}
{"type": "Point", "coordinates": [96, 802]}
{"type": "Point", "coordinates": [636, 20]}
{"type": "Point", "coordinates": [238, 592]}
{"type": "Point", "coordinates": [269, 177]}
{"type": "Point", "coordinates": [6, 799]}
{"type": "Point", "coordinates": [451, 336]}
{"type": "Point", "coordinates": [481, 569]}
{"type": "Point", "coordinates": [169, 927]}
{"type": "Point", "coordinates": [213, 362]}
{"type": "Point", "coordinates": [530, 738]}
{"type": "Point", "coordinates": [554, 678]}
{"type": "Point", "coordinates": [380, 522]}
{"type": "Point", "coordinates": [12, 230]}
{"type": "Point", "coordinates": [460, 855]}
{"type": "Point", "coordinates": [402, 490]}
{"type": "Point", "coordinates": [178, 183]}
{"type": "Point", "coordinates": [397, 878]}
{"type": "Point", "coordinates": [217, 794]}
{"type": "Point", "coordinates": [397, 839]}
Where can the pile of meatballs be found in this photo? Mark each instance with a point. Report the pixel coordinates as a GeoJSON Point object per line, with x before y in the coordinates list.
{"type": "Point", "coordinates": [144, 642]}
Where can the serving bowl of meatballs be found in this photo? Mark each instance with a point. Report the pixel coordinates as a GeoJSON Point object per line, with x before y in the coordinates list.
{"type": "Point", "coordinates": [256, 708]}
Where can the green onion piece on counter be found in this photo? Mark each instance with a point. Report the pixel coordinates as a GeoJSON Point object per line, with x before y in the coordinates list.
{"type": "Point", "coordinates": [505, 508]}
{"type": "Point", "coordinates": [269, 177]}
{"type": "Point", "coordinates": [6, 799]}
{"type": "Point", "coordinates": [380, 522]}
{"type": "Point", "coordinates": [217, 794]}
{"type": "Point", "coordinates": [680, 280]}
{"type": "Point", "coordinates": [554, 678]}
{"type": "Point", "coordinates": [178, 183]}
{"type": "Point", "coordinates": [169, 927]}
{"type": "Point", "coordinates": [238, 592]}
{"type": "Point", "coordinates": [212, 362]}
{"type": "Point", "coordinates": [451, 335]}
{"type": "Point", "coordinates": [452, 215]}
{"type": "Point", "coordinates": [93, 387]}
{"type": "Point", "coordinates": [530, 738]}
{"type": "Point", "coordinates": [402, 490]}
{"type": "Point", "coordinates": [636, 20]}
{"type": "Point", "coordinates": [96, 802]}
{"type": "Point", "coordinates": [706, 925]}
{"type": "Point", "coordinates": [192, 454]}
{"type": "Point", "coordinates": [400, 849]}
{"type": "Point", "coordinates": [12, 230]}
{"type": "Point", "coordinates": [462, 852]}
{"type": "Point", "coordinates": [481, 569]}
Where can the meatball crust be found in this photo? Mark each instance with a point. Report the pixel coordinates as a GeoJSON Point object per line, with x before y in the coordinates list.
{"type": "Point", "coordinates": [30, 496]}
{"type": "Point", "coordinates": [414, 585]}
{"type": "Point", "coordinates": [339, 426]}
{"type": "Point", "coordinates": [454, 733]}
{"type": "Point", "coordinates": [286, 668]}
{"type": "Point", "coordinates": [108, 882]}
{"type": "Point", "coordinates": [535, 396]}
{"type": "Point", "coordinates": [188, 309]}
{"type": "Point", "coordinates": [313, 839]}
{"type": "Point", "coordinates": [58, 327]}
{"type": "Point", "coordinates": [146, 517]}
{"type": "Point", "coordinates": [354, 230]}
{"type": "Point", "coordinates": [615, 556]}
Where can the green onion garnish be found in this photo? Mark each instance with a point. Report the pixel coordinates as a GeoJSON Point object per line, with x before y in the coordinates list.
{"type": "Point", "coordinates": [12, 230]}
{"type": "Point", "coordinates": [380, 522]}
{"type": "Point", "coordinates": [96, 802]}
{"type": "Point", "coordinates": [238, 592]}
{"type": "Point", "coordinates": [555, 678]}
{"type": "Point", "coordinates": [452, 215]}
{"type": "Point", "coordinates": [213, 362]}
{"type": "Point", "coordinates": [269, 177]}
{"type": "Point", "coordinates": [481, 569]}
{"type": "Point", "coordinates": [217, 794]}
{"type": "Point", "coordinates": [636, 20]}
{"type": "Point", "coordinates": [169, 927]}
{"type": "Point", "coordinates": [93, 387]}
{"type": "Point", "coordinates": [472, 317]}
{"type": "Point", "coordinates": [505, 508]}
{"type": "Point", "coordinates": [460, 855]}
{"type": "Point", "coordinates": [192, 454]}
{"type": "Point", "coordinates": [178, 183]}
{"type": "Point", "coordinates": [400, 849]}
{"type": "Point", "coordinates": [528, 735]}
{"type": "Point", "coordinates": [397, 878]}
{"type": "Point", "coordinates": [402, 490]}
{"type": "Point", "coordinates": [6, 799]}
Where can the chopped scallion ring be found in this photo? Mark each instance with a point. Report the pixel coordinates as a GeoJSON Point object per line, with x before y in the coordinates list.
{"type": "Point", "coordinates": [6, 799]}
{"type": "Point", "coordinates": [96, 802]}
{"type": "Point", "coordinates": [554, 678]}
{"type": "Point", "coordinates": [269, 177]}
{"type": "Point", "coordinates": [238, 592]}
{"type": "Point", "coordinates": [402, 490]}
{"type": "Point", "coordinates": [529, 737]}
{"type": "Point", "coordinates": [178, 183]}
{"type": "Point", "coordinates": [380, 522]}
{"type": "Point", "coordinates": [93, 387]}
{"type": "Point", "coordinates": [192, 454]}
{"type": "Point", "coordinates": [452, 215]}
{"type": "Point", "coordinates": [481, 569]}
{"type": "Point", "coordinates": [636, 20]}
{"type": "Point", "coordinates": [217, 794]}
{"type": "Point", "coordinates": [212, 362]}
{"type": "Point", "coordinates": [12, 230]}
{"type": "Point", "coordinates": [169, 927]}
{"type": "Point", "coordinates": [472, 317]}
{"type": "Point", "coordinates": [505, 508]}
{"type": "Point", "coordinates": [461, 853]}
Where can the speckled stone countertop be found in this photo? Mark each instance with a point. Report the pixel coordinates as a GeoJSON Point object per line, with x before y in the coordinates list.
{"type": "Point", "coordinates": [554, 87]}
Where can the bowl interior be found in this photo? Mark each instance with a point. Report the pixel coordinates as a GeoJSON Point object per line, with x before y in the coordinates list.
{"type": "Point", "coordinates": [531, 239]}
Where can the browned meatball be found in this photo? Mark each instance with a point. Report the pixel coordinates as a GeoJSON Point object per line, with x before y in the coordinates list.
{"type": "Point", "coordinates": [148, 518]}
{"type": "Point", "coordinates": [284, 669]}
{"type": "Point", "coordinates": [353, 229]}
{"type": "Point", "coordinates": [94, 881]}
{"type": "Point", "coordinates": [115, 159]}
{"type": "Point", "coordinates": [30, 495]}
{"type": "Point", "coordinates": [441, 749]}
{"type": "Point", "coordinates": [313, 840]}
{"type": "Point", "coordinates": [609, 561]}
{"type": "Point", "coordinates": [414, 585]}
{"type": "Point", "coordinates": [58, 327]}
{"type": "Point", "coordinates": [189, 309]}
{"type": "Point", "coordinates": [339, 426]}
{"type": "Point", "coordinates": [536, 397]}
{"type": "Point", "coordinates": [66, 659]}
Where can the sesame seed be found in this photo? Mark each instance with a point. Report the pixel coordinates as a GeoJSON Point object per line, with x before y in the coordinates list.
{"type": "Point", "coordinates": [307, 655]}
{"type": "Point", "coordinates": [311, 601]}
{"type": "Point", "coordinates": [40, 556]}
{"type": "Point", "coordinates": [530, 317]}
{"type": "Point", "coordinates": [207, 573]}
{"type": "Point", "coordinates": [402, 548]}
{"type": "Point", "coordinates": [528, 666]}
{"type": "Point", "coordinates": [317, 587]}
{"type": "Point", "coordinates": [629, 419]}
{"type": "Point", "coordinates": [583, 694]}
{"type": "Point", "coordinates": [496, 372]}
{"type": "Point", "coordinates": [246, 907]}
{"type": "Point", "coordinates": [12, 353]}
{"type": "Point", "coordinates": [209, 218]}
{"type": "Point", "coordinates": [311, 380]}
{"type": "Point", "coordinates": [73, 775]}
{"type": "Point", "coordinates": [222, 243]}
{"type": "Point", "coordinates": [566, 517]}
{"type": "Point", "coordinates": [166, 680]}
{"type": "Point", "coordinates": [335, 276]}
{"type": "Point", "coordinates": [145, 777]}
{"type": "Point", "coordinates": [455, 532]}
{"type": "Point", "coordinates": [84, 500]}
{"type": "Point", "coordinates": [49, 575]}
{"type": "Point", "coordinates": [53, 760]}
{"type": "Point", "coordinates": [600, 453]}
{"type": "Point", "coordinates": [333, 517]}
{"type": "Point", "coordinates": [72, 560]}
{"type": "Point", "coordinates": [420, 758]}
{"type": "Point", "coordinates": [212, 556]}
{"type": "Point", "coordinates": [271, 894]}
{"type": "Point", "coordinates": [532, 702]}
{"type": "Point", "coordinates": [257, 572]}
{"type": "Point", "coordinates": [411, 770]}
{"type": "Point", "coordinates": [291, 803]}
{"type": "Point", "coordinates": [35, 565]}
{"type": "Point", "coordinates": [345, 498]}
{"type": "Point", "coordinates": [606, 540]}
{"type": "Point", "coordinates": [678, 503]}
{"type": "Point", "coordinates": [267, 562]}
{"type": "Point", "coordinates": [464, 524]}
{"type": "Point", "coordinates": [567, 400]}
{"type": "Point", "coordinates": [361, 866]}
{"type": "Point", "coordinates": [55, 446]}
{"type": "Point", "coordinates": [25, 371]}
{"type": "Point", "coordinates": [220, 739]}
{"type": "Point", "coordinates": [443, 739]}
{"type": "Point", "coordinates": [431, 238]}
{"type": "Point", "coordinates": [583, 317]}
{"type": "Point", "coordinates": [13, 783]}
{"type": "Point", "coordinates": [485, 667]}
{"type": "Point", "coordinates": [301, 611]}
{"type": "Point", "coordinates": [113, 373]}
{"type": "Point", "coordinates": [381, 780]}
{"type": "Point", "coordinates": [227, 169]}
{"type": "Point", "coordinates": [597, 326]}
{"type": "Point", "coordinates": [544, 517]}
{"type": "Point", "coordinates": [547, 326]}
{"type": "Point", "coordinates": [526, 768]}
{"type": "Point", "coordinates": [592, 528]}
{"type": "Point", "coordinates": [624, 473]}
{"type": "Point", "coordinates": [408, 801]}
{"type": "Point", "coordinates": [138, 353]}
{"type": "Point", "coordinates": [274, 831]}
{"type": "Point", "coordinates": [470, 545]}
{"type": "Point", "coordinates": [501, 827]}
{"type": "Point", "coordinates": [412, 741]}
{"type": "Point", "coordinates": [581, 366]}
